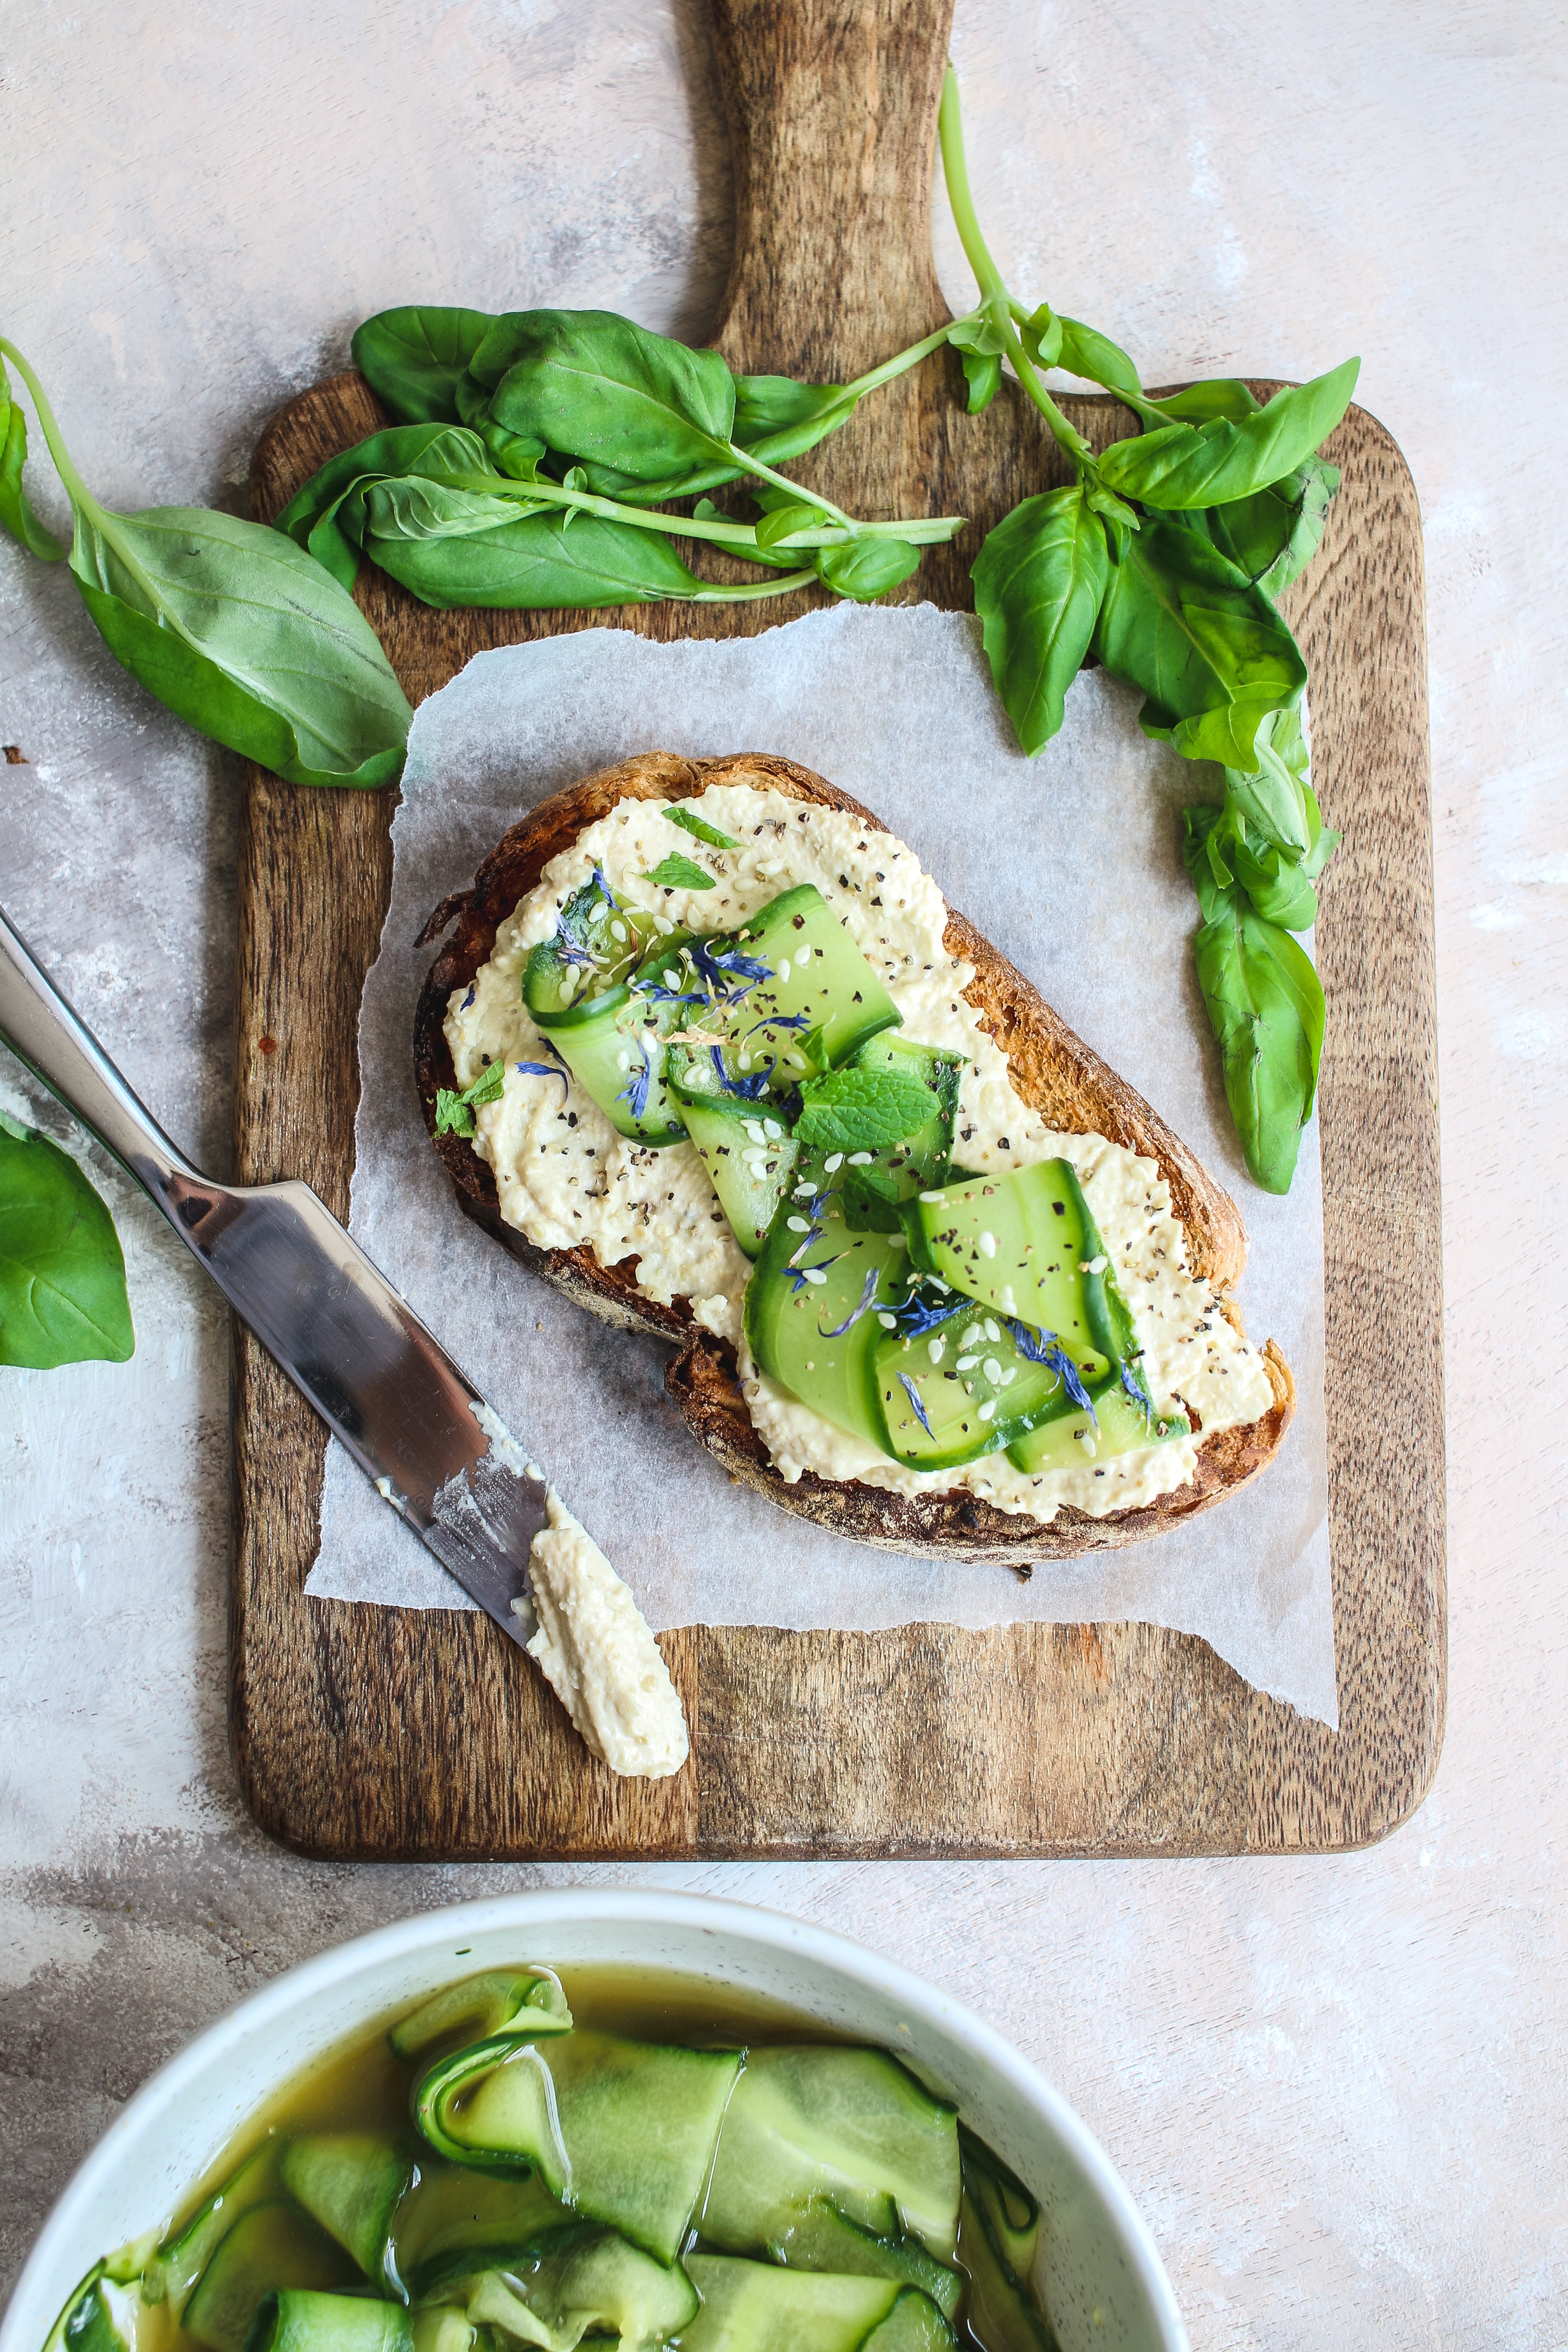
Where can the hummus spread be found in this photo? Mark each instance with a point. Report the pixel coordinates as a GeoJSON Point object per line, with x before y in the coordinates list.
{"type": "Point", "coordinates": [595, 1651]}
{"type": "Point", "coordinates": [564, 1177]}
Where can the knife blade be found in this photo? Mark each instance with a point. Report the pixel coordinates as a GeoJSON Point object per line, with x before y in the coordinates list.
{"type": "Point", "coordinates": [330, 1318]}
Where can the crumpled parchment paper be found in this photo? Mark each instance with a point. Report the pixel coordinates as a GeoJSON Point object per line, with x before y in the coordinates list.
{"type": "Point", "coordinates": [1071, 864]}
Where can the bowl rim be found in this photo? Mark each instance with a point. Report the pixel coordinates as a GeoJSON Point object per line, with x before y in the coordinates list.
{"type": "Point", "coordinates": [720, 1915]}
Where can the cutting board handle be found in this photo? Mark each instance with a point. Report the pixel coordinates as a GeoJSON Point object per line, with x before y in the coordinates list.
{"type": "Point", "coordinates": [832, 108]}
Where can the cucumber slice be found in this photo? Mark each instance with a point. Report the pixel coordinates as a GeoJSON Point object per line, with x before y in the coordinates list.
{"type": "Point", "coordinates": [813, 1303]}
{"type": "Point", "coordinates": [847, 2127]}
{"type": "Point", "coordinates": [759, 2307]}
{"type": "Point", "coordinates": [1024, 1244]}
{"type": "Point", "coordinates": [94, 2319]}
{"type": "Point", "coordinates": [442, 2329]}
{"type": "Point", "coordinates": [913, 2325]}
{"type": "Point", "coordinates": [593, 2284]}
{"type": "Point", "coordinates": [1118, 1425]}
{"type": "Point", "coordinates": [821, 2239]}
{"type": "Point", "coordinates": [180, 2261]}
{"type": "Point", "coordinates": [969, 1386]}
{"type": "Point", "coordinates": [751, 1167]}
{"type": "Point", "coordinates": [351, 2183]}
{"type": "Point", "coordinates": [525, 2001]}
{"type": "Point", "coordinates": [595, 947]}
{"type": "Point", "coordinates": [621, 2131]}
{"type": "Point", "coordinates": [297, 2320]}
{"type": "Point", "coordinates": [792, 993]}
{"type": "Point", "coordinates": [271, 2247]}
{"type": "Point", "coordinates": [998, 2239]}
{"type": "Point", "coordinates": [452, 2209]}
{"type": "Point", "coordinates": [616, 1052]}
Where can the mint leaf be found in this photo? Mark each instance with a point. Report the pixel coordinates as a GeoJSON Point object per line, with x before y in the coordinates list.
{"type": "Point", "coordinates": [700, 826]}
{"type": "Point", "coordinates": [455, 1112]}
{"type": "Point", "coordinates": [860, 1110]}
{"type": "Point", "coordinates": [678, 873]}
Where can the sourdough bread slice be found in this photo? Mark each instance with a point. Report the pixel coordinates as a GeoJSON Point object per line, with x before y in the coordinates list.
{"type": "Point", "coordinates": [1052, 1070]}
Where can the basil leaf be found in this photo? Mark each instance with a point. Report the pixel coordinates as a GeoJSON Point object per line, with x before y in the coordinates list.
{"type": "Point", "coordinates": [1221, 395]}
{"type": "Point", "coordinates": [415, 507]}
{"type": "Point", "coordinates": [1039, 581]}
{"type": "Point", "coordinates": [1273, 535]}
{"type": "Point", "coordinates": [414, 358]}
{"type": "Point", "coordinates": [311, 518]}
{"type": "Point", "coordinates": [530, 563]}
{"type": "Point", "coordinates": [239, 631]}
{"type": "Point", "coordinates": [1179, 465]}
{"type": "Point", "coordinates": [865, 568]}
{"type": "Point", "coordinates": [16, 507]}
{"type": "Point", "coordinates": [1272, 797]}
{"type": "Point", "coordinates": [793, 514]}
{"type": "Point", "coordinates": [1043, 337]}
{"type": "Point", "coordinates": [860, 1110]}
{"type": "Point", "coordinates": [62, 1276]}
{"type": "Point", "coordinates": [777, 419]}
{"type": "Point", "coordinates": [1203, 831]}
{"type": "Point", "coordinates": [699, 825]}
{"type": "Point", "coordinates": [678, 873]}
{"type": "Point", "coordinates": [1275, 884]}
{"type": "Point", "coordinates": [1266, 1007]}
{"type": "Point", "coordinates": [598, 387]}
{"type": "Point", "coordinates": [982, 375]}
{"type": "Point", "coordinates": [1208, 648]}
{"type": "Point", "coordinates": [1096, 358]}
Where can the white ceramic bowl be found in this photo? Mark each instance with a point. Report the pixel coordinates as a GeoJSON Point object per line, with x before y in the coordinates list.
{"type": "Point", "coordinates": [1104, 2285]}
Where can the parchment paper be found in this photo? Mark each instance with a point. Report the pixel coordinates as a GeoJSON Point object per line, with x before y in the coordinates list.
{"type": "Point", "coordinates": [1070, 863]}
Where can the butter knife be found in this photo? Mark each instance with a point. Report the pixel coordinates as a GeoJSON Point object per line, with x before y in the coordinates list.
{"type": "Point", "coordinates": [387, 1391]}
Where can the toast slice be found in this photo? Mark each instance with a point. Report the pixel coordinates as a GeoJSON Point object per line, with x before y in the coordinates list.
{"type": "Point", "coordinates": [1051, 1070]}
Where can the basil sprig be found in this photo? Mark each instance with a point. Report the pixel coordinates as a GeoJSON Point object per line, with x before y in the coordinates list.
{"type": "Point", "coordinates": [62, 1276]}
{"type": "Point", "coordinates": [226, 622]}
{"type": "Point", "coordinates": [1254, 862]}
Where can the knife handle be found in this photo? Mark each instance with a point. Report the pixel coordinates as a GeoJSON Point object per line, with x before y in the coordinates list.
{"type": "Point", "coordinates": [58, 1047]}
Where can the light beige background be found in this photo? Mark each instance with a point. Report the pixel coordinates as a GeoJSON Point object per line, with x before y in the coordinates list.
{"type": "Point", "coordinates": [1338, 2088]}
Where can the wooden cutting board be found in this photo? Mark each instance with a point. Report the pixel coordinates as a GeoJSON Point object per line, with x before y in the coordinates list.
{"type": "Point", "coordinates": [384, 1734]}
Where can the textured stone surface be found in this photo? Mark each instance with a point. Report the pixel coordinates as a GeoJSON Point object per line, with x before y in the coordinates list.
{"type": "Point", "coordinates": [1340, 2088]}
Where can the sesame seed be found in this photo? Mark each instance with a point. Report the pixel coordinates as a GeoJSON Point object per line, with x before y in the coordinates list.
{"type": "Point", "coordinates": [813, 1273]}
{"type": "Point", "coordinates": [798, 1224]}
{"type": "Point", "coordinates": [987, 1244]}
{"type": "Point", "coordinates": [988, 1408]}
{"type": "Point", "coordinates": [992, 1370]}
{"type": "Point", "coordinates": [833, 1162]}
{"type": "Point", "coordinates": [887, 1322]}
{"type": "Point", "coordinates": [861, 1159]}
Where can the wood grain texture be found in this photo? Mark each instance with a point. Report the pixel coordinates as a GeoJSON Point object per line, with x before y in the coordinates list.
{"type": "Point", "coordinates": [381, 1734]}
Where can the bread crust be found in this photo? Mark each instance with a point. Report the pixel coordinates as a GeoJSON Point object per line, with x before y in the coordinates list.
{"type": "Point", "coordinates": [1051, 1070]}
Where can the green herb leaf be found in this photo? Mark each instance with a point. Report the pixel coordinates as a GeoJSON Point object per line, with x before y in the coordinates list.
{"type": "Point", "coordinates": [860, 1110]}
{"type": "Point", "coordinates": [534, 564]}
{"type": "Point", "coordinates": [1208, 648]}
{"type": "Point", "coordinates": [600, 388]}
{"type": "Point", "coordinates": [414, 358]}
{"type": "Point", "coordinates": [678, 873]}
{"type": "Point", "coordinates": [1096, 358]}
{"type": "Point", "coordinates": [689, 822]}
{"type": "Point", "coordinates": [868, 1202]}
{"type": "Point", "coordinates": [1219, 396]}
{"type": "Point", "coordinates": [16, 507]}
{"type": "Point", "coordinates": [1266, 1007]}
{"type": "Point", "coordinates": [1039, 581]}
{"type": "Point", "coordinates": [1273, 535]}
{"type": "Point", "coordinates": [777, 419]}
{"type": "Point", "coordinates": [239, 632]}
{"type": "Point", "coordinates": [1272, 797]}
{"type": "Point", "coordinates": [790, 516]}
{"type": "Point", "coordinates": [310, 518]}
{"type": "Point", "coordinates": [1179, 465]}
{"type": "Point", "coordinates": [455, 1112]}
{"type": "Point", "coordinates": [62, 1276]}
{"type": "Point", "coordinates": [865, 568]}
{"type": "Point", "coordinates": [982, 375]}
{"type": "Point", "coordinates": [1043, 337]}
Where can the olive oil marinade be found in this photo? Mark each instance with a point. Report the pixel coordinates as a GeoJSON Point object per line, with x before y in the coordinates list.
{"type": "Point", "coordinates": [627, 2156]}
